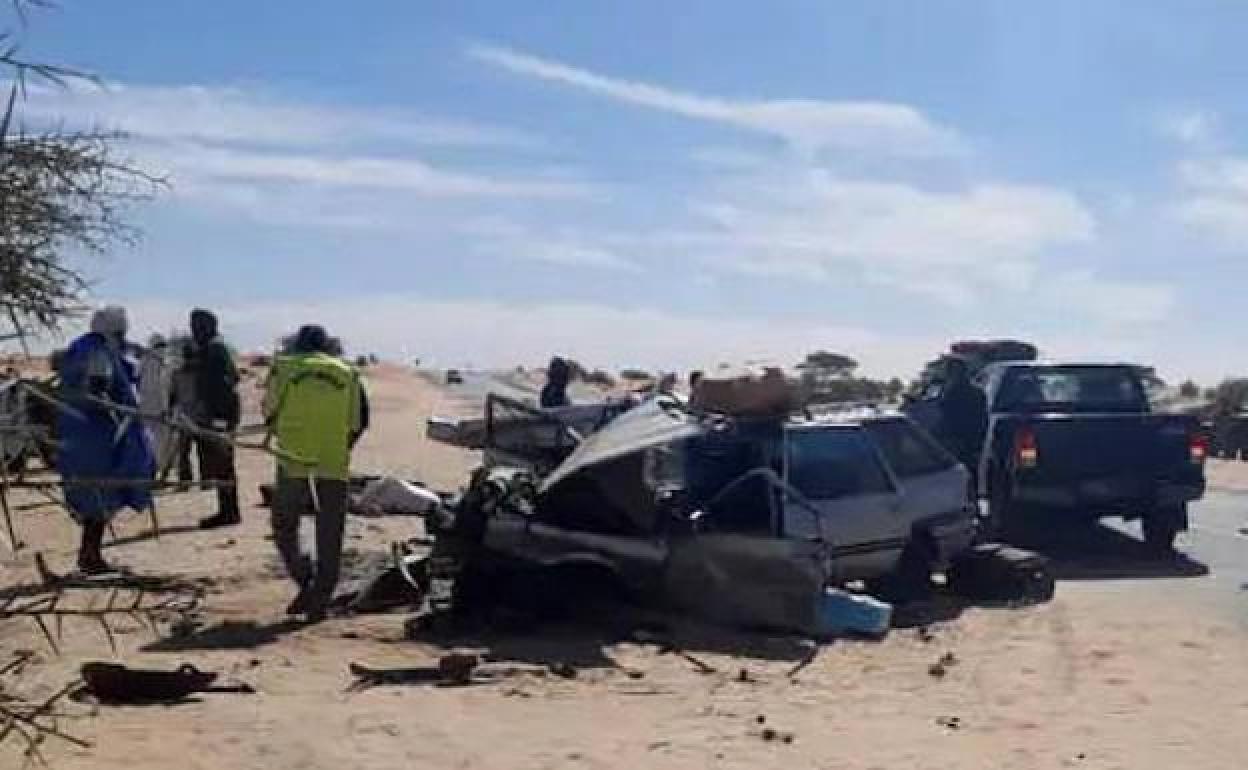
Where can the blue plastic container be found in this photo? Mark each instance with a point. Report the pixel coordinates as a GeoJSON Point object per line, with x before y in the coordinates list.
{"type": "Point", "coordinates": [841, 612]}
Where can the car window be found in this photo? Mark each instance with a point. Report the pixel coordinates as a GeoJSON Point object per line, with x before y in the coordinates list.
{"type": "Point", "coordinates": [1083, 388]}
{"type": "Point", "coordinates": [908, 451]}
{"type": "Point", "coordinates": [830, 463]}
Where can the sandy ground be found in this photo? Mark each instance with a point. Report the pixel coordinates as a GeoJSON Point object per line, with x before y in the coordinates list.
{"type": "Point", "coordinates": [1105, 676]}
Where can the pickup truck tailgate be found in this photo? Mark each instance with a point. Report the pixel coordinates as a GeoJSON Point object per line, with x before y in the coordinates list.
{"type": "Point", "coordinates": [1097, 445]}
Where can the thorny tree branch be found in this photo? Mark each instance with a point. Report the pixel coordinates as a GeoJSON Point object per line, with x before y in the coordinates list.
{"type": "Point", "coordinates": [59, 191]}
{"type": "Point", "coordinates": [51, 607]}
{"type": "Point", "coordinates": [32, 722]}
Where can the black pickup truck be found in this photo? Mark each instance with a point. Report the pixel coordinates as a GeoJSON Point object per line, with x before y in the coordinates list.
{"type": "Point", "coordinates": [1081, 439]}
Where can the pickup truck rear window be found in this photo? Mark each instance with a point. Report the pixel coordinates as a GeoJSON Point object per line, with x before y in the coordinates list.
{"type": "Point", "coordinates": [829, 463]}
{"type": "Point", "coordinates": [1072, 388]}
{"type": "Point", "coordinates": [907, 450]}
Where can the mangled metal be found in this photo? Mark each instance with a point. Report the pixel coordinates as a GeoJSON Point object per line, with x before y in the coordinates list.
{"type": "Point", "coordinates": [744, 520]}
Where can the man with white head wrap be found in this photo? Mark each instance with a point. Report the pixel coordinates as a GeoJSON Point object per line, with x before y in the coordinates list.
{"type": "Point", "coordinates": [101, 449]}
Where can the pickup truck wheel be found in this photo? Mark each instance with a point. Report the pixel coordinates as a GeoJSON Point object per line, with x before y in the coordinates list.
{"type": "Point", "coordinates": [1161, 526]}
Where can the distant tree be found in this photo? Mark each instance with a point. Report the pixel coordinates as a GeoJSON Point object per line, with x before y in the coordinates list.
{"type": "Point", "coordinates": [1230, 397]}
{"type": "Point", "coordinates": [831, 364]}
{"type": "Point", "coordinates": [828, 377]}
{"type": "Point", "coordinates": [1189, 389]}
{"type": "Point", "coordinates": [634, 374]}
{"type": "Point", "coordinates": [894, 388]}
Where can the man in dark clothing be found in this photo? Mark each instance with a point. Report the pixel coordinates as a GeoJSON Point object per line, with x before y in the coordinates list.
{"type": "Point", "coordinates": [555, 392]}
{"type": "Point", "coordinates": [963, 415]}
{"type": "Point", "coordinates": [217, 408]}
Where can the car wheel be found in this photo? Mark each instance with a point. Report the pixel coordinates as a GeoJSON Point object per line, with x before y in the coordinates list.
{"type": "Point", "coordinates": [910, 580]}
{"type": "Point", "coordinates": [1161, 526]}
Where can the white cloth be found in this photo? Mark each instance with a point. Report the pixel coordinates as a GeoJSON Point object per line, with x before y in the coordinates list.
{"type": "Point", "coordinates": [155, 383]}
{"type": "Point", "coordinates": [391, 495]}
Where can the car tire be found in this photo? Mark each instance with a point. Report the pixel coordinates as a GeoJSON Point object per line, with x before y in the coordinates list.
{"type": "Point", "coordinates": [911, 579]}
{"type": "Point", "coordinates": [1161, 526]}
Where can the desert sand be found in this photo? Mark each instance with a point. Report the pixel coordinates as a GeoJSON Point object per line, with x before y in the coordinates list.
{"type": "Point", "coordinates": [1110, 674]}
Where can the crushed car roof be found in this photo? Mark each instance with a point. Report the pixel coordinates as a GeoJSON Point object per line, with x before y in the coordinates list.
{"type": "Point", "coordinates": [654, 423]}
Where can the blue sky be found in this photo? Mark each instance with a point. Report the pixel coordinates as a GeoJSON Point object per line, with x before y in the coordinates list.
{"type": "Point", "coordinates": [674, 184]}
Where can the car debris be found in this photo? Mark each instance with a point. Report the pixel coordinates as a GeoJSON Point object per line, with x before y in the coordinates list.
{"type": "Point", "coordinates": [742, 520]}
{"type": "Point", "coordinates": [116, 684]}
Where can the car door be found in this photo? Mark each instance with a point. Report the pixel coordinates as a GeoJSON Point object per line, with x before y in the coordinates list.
{"type": "Point", "coordinates": [840, 473]}
{"type": "Point", "coordinates": [931, 480]}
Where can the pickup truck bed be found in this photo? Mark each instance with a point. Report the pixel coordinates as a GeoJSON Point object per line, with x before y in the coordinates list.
{"type": "Point", "coordinates": [1102, 464]}
{"type": "Point", "coordinates": [1080, 439]}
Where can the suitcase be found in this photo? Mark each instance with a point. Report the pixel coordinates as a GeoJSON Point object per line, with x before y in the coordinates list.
{"type": "Point", "coordinates": [1000, 573]}
{"type": "Point", "coordinates": [753, 392]}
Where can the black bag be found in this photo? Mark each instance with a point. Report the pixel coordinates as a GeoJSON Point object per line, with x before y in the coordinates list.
{"type": "Point", "coordinates": [1000, 573]}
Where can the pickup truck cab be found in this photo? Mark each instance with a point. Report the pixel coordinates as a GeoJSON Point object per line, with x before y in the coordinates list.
{"type": "Point", "coordinates": [1082, 439]}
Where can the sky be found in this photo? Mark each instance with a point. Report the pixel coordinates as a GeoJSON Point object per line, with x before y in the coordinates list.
{"type": "Point", "coordinates": [669, 185]}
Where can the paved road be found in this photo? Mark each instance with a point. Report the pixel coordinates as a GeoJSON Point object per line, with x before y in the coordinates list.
{"type": "Point", "coordinates": [1211, 572]}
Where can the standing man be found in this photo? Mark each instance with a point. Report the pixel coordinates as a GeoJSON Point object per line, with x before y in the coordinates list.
{"type": "Point", "coordinates": [217, 408]}
{"type": "Point", "coordinates": [555, 391]}
{"type": "Point", "coordinates": [963, 415]}
{"type": "Point", "coordinates": [100, 449]}
{"type": "Point", "coordinates": [317, 409]}
{"type": "Point", "coordinates": [182, 405]}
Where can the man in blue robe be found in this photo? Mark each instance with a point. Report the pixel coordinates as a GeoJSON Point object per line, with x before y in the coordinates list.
{"type": "Point", "coordinates": [101, 449]}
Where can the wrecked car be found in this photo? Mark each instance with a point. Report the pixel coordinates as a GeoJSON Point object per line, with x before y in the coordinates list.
{"type": "Point", "coordinates": [739, 520]}
{"type": "Point", "coordinates": [517, 434]}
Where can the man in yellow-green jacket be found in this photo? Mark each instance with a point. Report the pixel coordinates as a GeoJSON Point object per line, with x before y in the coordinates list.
{"type": "Point", "coordinates": [317, 409]}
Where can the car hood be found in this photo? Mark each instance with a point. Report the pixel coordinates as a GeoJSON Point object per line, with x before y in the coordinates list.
{"type": "Point", "coordinates": [654, 423]}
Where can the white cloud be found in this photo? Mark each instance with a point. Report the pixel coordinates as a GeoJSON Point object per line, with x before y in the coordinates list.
{"type": "Point", "coordinates": [1107, 301]}
{"type": "Point", "coordinates": [1195, 128]}
{"type": "Point", "coordinates": [217, 114]}
{"type": "Point", "coordinates": [810, 225]}
{"type": "Point", "coordinates": [887, 127]}
{"type": "Point", "coordinates": [1214, 199]}
{"type": "Point", "coordinates": [197, 163]}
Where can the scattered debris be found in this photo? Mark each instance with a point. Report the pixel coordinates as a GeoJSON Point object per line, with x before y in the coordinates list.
{"type": "Point", "coordinates": [942, 666]}
{"type": "Point", "coordinates": [457, 668]}
{"type": "Point", "coordinates": [1001, 573]}
{"type": "Point", "coordinates": [807, 659]}
{"type": "Point", "coordinates": [563, 670]}
{"type": "Point", "coordinates": [117, 684]}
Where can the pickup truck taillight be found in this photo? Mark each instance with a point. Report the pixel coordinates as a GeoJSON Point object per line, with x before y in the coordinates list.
{"type": "Point", "coordinates": [1026, 454]}
{"type": "Point", "coordinates": [1198, 448]}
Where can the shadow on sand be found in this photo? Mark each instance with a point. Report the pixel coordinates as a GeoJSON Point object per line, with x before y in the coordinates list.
{"type": "Point", "coordinates": [585, 640]}
{"type": "Point", "coordinates": [1095, 551]}
{"type": "Point", "coordinates": [228, 635]}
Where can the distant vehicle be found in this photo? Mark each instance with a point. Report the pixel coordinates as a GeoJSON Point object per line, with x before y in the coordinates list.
{"type": "Point", "coordinates": [1081, 439]}
{"type": "Point", "coordinates": [454, 377]}
{"type": "Point", "coordinates": [756, 513]}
